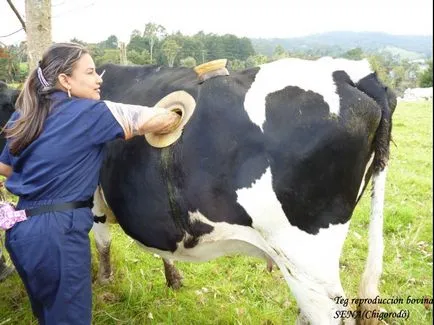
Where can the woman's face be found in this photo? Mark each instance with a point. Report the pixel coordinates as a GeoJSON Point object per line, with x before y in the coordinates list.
{"type": "Point", "coordinates": [84, 82]}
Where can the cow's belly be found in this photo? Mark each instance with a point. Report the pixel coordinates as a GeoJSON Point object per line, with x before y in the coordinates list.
{"type": "Point", "coordinates": [270, 236]}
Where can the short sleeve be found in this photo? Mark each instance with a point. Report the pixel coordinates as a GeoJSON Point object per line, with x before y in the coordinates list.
{"type": "Point", "coordinates": [103, 126]}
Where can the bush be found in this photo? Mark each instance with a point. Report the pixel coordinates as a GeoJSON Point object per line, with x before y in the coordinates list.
{"type": "Point", "coordinates": [425, 78]}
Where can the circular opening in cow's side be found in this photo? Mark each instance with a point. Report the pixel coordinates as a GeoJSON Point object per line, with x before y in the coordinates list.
{"type": "Point", "coordinates": [180, 112]}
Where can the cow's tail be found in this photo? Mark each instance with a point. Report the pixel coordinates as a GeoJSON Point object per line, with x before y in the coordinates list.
{"type": "Point", "coordinates": [374, 264]}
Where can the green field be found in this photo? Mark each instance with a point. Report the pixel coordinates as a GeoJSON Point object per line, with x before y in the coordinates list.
{"type": "Point", "coordinates": [239, 290]}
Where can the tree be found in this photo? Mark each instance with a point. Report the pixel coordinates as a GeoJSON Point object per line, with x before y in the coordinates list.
{"type": "Point", "coordinates": [77, 41]}
{"type": "Point", "coordinates": [152, 34]}
{"type": "Point", "coordinates": [279, 53]}
{"type": "Point", "coordinates": [170, 49]}
{"type": "Point", "coordinates": [139, 58]}
{"type": "Point", "coordinates": [426, 77]}
{"type": "Point", "coordinates": [109, 56]}
{"type": "Point", "coordinates": [245, 48]}
{"type": "Point", "coordinates": [398, 75]}
{"type": "Point", "coordinates": [11, 66]}
{"type": "Point", "coordinates": [110, 43]}
{"type": "Point", "coordinates": [188, 62]}
{"type": "Point", "coordinates": [381, 66]}
{"type": "Point", "coordinates": [137, 42]}
{"type": "Point", "coordinates": [214, 48]}
{"type": "Point", "coordinates": [354, 54]}
{"type": "Point", "coordinates": [255, 60]}
{"type": "Point", "coordinates": [236, 65]}
{"type": "Point", "coordinates": [4, 58]}
{"type": "Point", "coordinates": [38, 29]}
{"type": "Point", "coordinates": [191, 48]}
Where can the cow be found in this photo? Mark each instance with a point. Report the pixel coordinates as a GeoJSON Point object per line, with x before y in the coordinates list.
{"type": "Point", "coordinates": [271, 164]}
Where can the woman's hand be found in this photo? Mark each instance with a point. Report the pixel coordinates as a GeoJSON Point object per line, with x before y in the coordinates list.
{"type": "Point", "coordinates": [169, 123]}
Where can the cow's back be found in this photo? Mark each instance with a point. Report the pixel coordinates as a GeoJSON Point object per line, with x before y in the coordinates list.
{"type": "Point", "coordinates": [145, 85]}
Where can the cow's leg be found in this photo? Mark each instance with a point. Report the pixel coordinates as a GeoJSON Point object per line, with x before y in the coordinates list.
{"type": "Point", "coordinates": [320, 299]}
{"type": "Point", "coordinates": [313, 262]}
{"type": "Point", "coordinates": [103, 239]}
{"type": "Point", "coordinates": [320, 303]}
{"type": "Point", "coordinates": [374, 264]}
{"type": "Point", "coordinates": [173, 277]}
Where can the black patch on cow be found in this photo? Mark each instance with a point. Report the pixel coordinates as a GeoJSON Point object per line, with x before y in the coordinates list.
{"type": "Point", "coordinates": [196, 230]}
{"type": "Point", "coordinates": [223, 150]}
{"type": "Point", "coordinates": [137, 194]}
{"type": "Point", "coordinates": [317, 158]}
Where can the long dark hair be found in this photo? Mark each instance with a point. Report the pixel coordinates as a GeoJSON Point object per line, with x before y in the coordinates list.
{"type": "Point", "coordinates": [34, 102]}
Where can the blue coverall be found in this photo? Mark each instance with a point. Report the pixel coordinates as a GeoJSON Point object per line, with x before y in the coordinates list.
{"type": "Point", "coordinates": [51, 251]}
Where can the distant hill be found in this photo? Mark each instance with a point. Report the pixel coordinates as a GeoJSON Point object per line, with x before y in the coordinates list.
{"type": "Point", "coordinates": [411, 47]}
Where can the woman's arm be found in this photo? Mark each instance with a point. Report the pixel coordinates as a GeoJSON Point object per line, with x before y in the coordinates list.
{"type": "Point", "coordinates": [5, 170]}
{"type": "Point", "coordinates": [138, 120]}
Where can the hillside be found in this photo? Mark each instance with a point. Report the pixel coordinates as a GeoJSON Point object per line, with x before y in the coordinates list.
{"type": "Point", "coordinates": [411, 47]}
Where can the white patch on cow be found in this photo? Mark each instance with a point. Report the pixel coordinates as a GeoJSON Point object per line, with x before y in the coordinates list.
{"type": "Point", "coordinates": [362, 185]}
{"type": "Point", "coordinates": [355, 69]}
{"type": "Point", "coordinates": [313, 260]}
{"type": "Point", "coordinates": [308, 75]}
{"type": "Point", "coordinates": [269, 219]}
{"type": "Point", "coordinates": [101, 230]}
{"type": "Point", "coordinates": [225, 239]}
{"type": "Point", "coordinates": [374, 264]}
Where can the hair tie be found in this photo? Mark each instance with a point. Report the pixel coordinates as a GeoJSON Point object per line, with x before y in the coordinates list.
{"type": "Point", "coordinates": [41, 78]}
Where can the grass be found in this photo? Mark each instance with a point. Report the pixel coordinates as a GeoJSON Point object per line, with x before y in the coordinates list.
{"type": "Point", "coordinates": [239, 290]}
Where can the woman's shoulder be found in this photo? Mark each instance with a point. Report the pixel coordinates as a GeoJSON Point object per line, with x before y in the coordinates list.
{"type": "Point", "coordinates": [83, 105]}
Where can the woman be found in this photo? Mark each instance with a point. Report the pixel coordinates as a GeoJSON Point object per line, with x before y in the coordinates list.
{"type": "Point", "coordinates": [51, 161]}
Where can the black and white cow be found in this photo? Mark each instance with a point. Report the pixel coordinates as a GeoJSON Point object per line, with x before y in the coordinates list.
{"type": "Point", "coordinates": [271, 164]}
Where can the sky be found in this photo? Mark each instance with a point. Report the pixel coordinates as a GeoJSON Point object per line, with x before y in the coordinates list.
{"type": "Point", "coordinates": [95, 20]}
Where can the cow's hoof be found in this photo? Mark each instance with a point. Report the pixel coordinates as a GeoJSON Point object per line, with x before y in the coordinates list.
{"type": "Point", "coordinates": [174, 281]}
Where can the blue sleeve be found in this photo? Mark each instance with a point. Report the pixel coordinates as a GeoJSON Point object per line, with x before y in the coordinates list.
{"type": "Point", "coordinates": [104, 126]}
